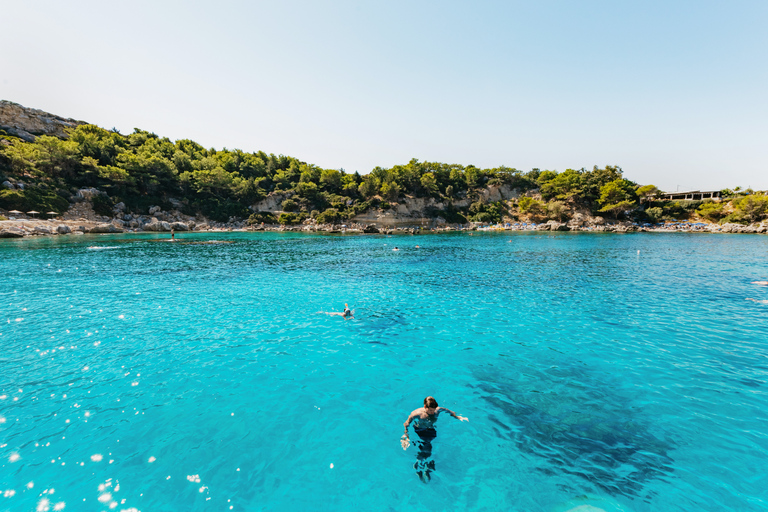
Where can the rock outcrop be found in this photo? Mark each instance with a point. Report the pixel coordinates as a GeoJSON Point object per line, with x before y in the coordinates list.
{"type": "Point", "coordinates": [11, 233]}
{"type": "Point", "coordinates": [28, 123]}
{"type": "Point", "coordinates": [105, 228]}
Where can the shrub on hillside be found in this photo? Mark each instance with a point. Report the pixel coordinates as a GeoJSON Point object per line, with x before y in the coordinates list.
{"type": "Point", "coordinates": [291, 218]}
{"type": "Point", "coordinates": [654, 214]}
{"type": "Point", "coordinates": [32, 199]}
{"type": "Point", "coordinates": [102, 205]}
{"type": "Point", "coordinates": [289, 205]}
{"type": "Point", "coordinates": [259, 217]}
{"type": "Point", "coordinates": [712, 211]}
{"type": "Point", "coordinates": [329, 216]}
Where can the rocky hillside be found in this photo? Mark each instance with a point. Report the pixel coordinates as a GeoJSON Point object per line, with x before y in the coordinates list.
{"type": "Point", "coordinates": [27, 123]}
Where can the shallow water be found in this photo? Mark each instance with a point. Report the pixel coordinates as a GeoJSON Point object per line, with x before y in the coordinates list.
{"type": "Point", "coordinates": [174, 376]}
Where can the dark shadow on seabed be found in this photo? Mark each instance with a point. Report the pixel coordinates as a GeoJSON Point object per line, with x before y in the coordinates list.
{"type": "Point", "coordinates": [580, 425]}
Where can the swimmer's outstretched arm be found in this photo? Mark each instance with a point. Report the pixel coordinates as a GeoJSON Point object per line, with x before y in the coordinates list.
{"type": "Point", "coordinates": [460, 418]}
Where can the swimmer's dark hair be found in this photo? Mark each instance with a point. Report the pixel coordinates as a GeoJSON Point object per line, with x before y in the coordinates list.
{"type": "Point", "coordinates": [430, 402]}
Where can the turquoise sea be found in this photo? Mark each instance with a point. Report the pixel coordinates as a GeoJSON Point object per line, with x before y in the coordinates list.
{"type": "Point", "coordinates": [620, 372]}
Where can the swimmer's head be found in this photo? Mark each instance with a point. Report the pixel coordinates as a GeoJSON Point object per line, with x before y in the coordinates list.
{"type": "Point", "coordinates": [430, 402]}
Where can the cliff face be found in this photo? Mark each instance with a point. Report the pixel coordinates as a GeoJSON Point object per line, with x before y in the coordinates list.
{"type": "Point", "coordinates": [27, 123]}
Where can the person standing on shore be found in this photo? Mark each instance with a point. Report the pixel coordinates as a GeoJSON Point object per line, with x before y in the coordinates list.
{"type": "Point", "coordinates": [424, 419]}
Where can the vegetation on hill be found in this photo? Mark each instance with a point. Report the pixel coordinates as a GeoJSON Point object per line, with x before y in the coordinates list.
{"type": "Point", "coordinates": [143, 169]}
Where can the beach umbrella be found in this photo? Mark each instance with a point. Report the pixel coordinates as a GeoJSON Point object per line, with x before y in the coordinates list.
{"type": "Point", "coordinates": [51, 213]}
{"type": "Point", "coordinates": [32, 213]}
{"type": "Point", "coordinates": [15, 212]}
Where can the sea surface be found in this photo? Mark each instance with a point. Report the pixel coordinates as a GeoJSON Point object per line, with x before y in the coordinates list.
{"type": "Point", "coordinates": [602, 371]}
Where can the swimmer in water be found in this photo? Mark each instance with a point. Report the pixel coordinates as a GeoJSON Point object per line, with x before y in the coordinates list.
{"type": "Point", "coordinates": [424, 419]}
{"type": "Point", "coordinates": [395, 249]}
{"type": "Point", "coordinates": [758, 301]}
{"type": "Point", "coordinates": [347, 313]}
{"type": "Point", "coordinates": [760, 283]}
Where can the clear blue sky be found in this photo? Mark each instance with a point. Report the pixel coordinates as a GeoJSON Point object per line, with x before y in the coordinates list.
{"type": "Point", "coordinates": [675, 92]}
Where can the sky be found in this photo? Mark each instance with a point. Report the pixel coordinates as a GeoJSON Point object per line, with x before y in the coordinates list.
{"type": "Point", "coordinates": [675, 92]}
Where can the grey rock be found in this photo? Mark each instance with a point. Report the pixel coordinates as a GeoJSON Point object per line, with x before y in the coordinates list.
{"type": "Point", "coordinates": [105, 228]}
{"type": "Point", "coordinates": [8, 184]}
{"type": "Point", "coordinates": [11, 233]}
{"type": "Point", "coordinates": [156, 225]}
{"type": "Point", "coordinates": [179, 226]}
{"type": "Point", "coordinates": [119, 207]}
{"type": "Point", "coordinates": [26, 123]}
{"type": "Point", "coordinates": [88, 193]}
{"type": "Point", "coordinates": [558, 226]}
{"type": "Point", "coordinates": [63, 229]}
{"type": "Point", "coordinates": [43, 230]}
{"type": "Point", "coordinates": [370, 228]}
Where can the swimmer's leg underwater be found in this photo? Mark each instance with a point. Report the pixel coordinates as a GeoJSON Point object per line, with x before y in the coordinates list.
{"type": "Point", "coordinates": [424, 466]}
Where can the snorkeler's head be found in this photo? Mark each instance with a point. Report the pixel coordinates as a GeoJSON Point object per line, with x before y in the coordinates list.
{"type": "Point", "coordinates": [430, 402]}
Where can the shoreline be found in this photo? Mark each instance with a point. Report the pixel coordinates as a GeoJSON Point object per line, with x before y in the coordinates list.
{"type": "Point", "coordinates": [24, 228]}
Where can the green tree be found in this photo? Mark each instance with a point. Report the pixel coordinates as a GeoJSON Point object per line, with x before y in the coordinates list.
{"type": "Point", "coordinates": [390, 191]}
{"type": "Point", "coordinates": [369, 187]}
{"type": "Point", "coordinates": [530, 206]}
{"type": "Point", "coordinates": [617, 196]}
{"type": "Point", "coordinates": [648, 193]}
{"type": "Point", "coordinates": [563, 186]}
{"type": "Point", "coordinates": [330, 180]}
{"type": "Point", "coordinates": [429, 183]}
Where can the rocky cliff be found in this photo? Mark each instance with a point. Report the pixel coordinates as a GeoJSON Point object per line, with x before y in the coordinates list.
{"type": "Point", "coordinates": [28, 123]}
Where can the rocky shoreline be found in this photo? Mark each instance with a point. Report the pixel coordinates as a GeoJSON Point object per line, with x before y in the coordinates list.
{"type": "Point", "coordinates": [20, 228]}
{"type": "Point", "coordinates": [81, 219]}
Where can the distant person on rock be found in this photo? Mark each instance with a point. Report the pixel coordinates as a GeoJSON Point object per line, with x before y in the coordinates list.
{"type": "Point", "coordinates": [424, 419]}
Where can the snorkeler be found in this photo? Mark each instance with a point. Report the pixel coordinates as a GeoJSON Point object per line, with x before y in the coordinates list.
{"type": "Point", "coordinates": [761, 283]}
{"type": "Point", "coordinates": [424, 419]}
